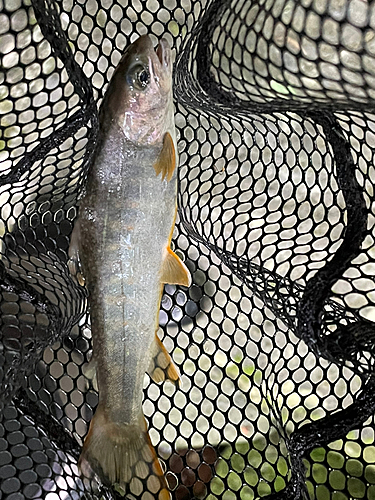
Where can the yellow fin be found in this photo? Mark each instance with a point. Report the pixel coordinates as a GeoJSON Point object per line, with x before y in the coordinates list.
{"type": "Point", "coordinates": [166, 162]}
{"type": "Point", "coordinates": [122, 455]}
{"type": "Point", "coordinates": [162, 367]}
{"type": "Point", "coordinates": [174, 271]}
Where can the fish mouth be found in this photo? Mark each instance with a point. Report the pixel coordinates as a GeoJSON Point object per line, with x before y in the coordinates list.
{"type": "Point", "coordinates": [163, 51]}
{"type": "Point", "coordinates": [144, 45]}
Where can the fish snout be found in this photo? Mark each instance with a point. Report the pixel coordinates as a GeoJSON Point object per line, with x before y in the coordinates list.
{"type": "Point", "coordinates": [163, 51]}
{"type": "Point", "coordinates": [143, 44]}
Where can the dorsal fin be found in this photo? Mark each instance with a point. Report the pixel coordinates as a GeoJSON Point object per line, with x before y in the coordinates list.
{"type": "Point", "coordinates": [90, 373]}
{"type": "Point", "coordinates": [74, 262]}
{"type": "Point", "coordinates": [166, 162]}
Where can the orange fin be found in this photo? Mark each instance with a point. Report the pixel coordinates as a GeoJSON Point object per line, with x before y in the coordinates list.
{"type": "Point", "coordinates": [122, 455]}
{"type": "Point", "coordinates": [166, 162]}
{"type": "Point", "coordinates": [162, 367]}
{"type": "Point", "coordinates": [174, 271]}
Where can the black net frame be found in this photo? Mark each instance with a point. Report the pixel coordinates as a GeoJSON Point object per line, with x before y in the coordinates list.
{"type": "Point", "coordinates": [274, 340]}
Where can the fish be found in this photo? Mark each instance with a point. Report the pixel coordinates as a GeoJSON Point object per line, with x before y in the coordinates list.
{"type": "Point", "coordinates": [121, 243]}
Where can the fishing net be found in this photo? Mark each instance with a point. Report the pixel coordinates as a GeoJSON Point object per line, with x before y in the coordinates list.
{"type": "Point", "coordinates": [274, 339]}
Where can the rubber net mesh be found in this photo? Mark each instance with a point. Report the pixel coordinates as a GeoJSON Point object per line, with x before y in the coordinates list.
{"type": "Point", "coordinates": [274, 339]}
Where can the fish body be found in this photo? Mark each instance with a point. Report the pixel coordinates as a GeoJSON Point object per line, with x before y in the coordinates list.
{"type": "Point", "coordinates": [122, 237]}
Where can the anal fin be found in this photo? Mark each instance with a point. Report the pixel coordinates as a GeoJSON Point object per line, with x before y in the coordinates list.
{"type": "Point", "coordinates": [162, 367]}
{"type": "Point", "coordinates": [166, 162]}
{"type": "Point", "coordinates": [174, 271]}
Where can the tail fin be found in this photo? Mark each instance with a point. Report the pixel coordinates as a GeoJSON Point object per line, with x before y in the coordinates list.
{"type": "Point", "coordinates": [122, 455]}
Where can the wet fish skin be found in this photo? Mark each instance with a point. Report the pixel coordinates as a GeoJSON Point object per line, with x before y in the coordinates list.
{"type": "Point", "coordinates": [123, 238]}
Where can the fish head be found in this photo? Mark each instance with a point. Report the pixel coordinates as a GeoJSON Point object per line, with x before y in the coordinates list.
{"type": "Point", "coordinates": [139, 98]}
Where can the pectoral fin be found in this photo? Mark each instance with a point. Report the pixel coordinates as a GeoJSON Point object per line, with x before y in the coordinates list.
{"type": "Point", "coordinates": [162, 367]}
{"type": "Point", "coordinates": [174, 271]}
{"type": "Point", "coordinates": [166, 162]}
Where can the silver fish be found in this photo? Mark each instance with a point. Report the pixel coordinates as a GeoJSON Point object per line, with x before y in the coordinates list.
{"type": "Point", "coordinates": [122, 237]}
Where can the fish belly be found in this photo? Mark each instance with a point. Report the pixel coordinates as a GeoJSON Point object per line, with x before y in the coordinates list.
{"type": "Point", "coordinates": [126, 218]}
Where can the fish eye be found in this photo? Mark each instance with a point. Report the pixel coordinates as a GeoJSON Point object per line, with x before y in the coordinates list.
{"type": "Point", "coordinates": [139, 77]}
{"type": "Point", "coordinates": [143, 78]}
